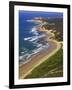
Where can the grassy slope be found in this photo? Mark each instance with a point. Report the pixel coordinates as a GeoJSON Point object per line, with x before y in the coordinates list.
{"type": "Point", "coordinates": [53, 67]}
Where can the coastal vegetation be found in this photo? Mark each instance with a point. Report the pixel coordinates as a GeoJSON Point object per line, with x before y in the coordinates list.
{"type": "Point", "coordinates": [54, 24]}
{"type": "Point", "coordinates": [52, 67]}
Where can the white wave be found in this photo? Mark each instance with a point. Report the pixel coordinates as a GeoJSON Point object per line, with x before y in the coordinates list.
{"type": "Point", "coordinates": [34, 31]}
{"type": "Point", "coordinates": [27, 57]}
{"type": "Point", "coordinates": [37, 37]}
{"type": "Point", "coordinates": [29, 20]}
{"type": "Point", "coordinates": [37, 50]}
{"type": "Point", "coordinates": [22, 52]}
{"type": "Point", "coordinates": [45, 46]}
{"type": "Point", "coordinates": [34, 38]}
{"type": "Point", "coordinates": [20, 57]}
{"type": "Point", "coordinates": [27, 38]}
{"type": "Point", "coordinates": [39, 45]}
{"type": "Point", "coordinates": [24, 57]}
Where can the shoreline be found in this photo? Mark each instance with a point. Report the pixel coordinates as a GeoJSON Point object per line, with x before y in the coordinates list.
{"type": "Point", "coordinates": [40, 57]}
{"type": "Point", "coordinates": [47, 38]}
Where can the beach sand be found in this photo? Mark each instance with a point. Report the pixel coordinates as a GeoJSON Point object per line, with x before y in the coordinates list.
{"type": "Point", "coordinates": [40, 57]}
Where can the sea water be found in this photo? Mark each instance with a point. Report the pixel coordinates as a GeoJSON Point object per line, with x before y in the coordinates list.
{"type": "Point", "coordinates": [30, 39]}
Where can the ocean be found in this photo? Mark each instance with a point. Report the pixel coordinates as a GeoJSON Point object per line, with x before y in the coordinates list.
{"type": "Point", "coordinates": [30, 39]}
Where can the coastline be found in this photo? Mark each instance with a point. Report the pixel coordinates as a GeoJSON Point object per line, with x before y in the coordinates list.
{"type": "Point", "coordinates": [40, 57]}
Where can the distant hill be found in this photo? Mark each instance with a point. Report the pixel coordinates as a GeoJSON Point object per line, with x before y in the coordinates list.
{"type": "Point", "coordinates": [41, 19]}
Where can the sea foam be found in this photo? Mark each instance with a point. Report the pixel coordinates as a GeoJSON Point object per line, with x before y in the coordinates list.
{"type": "Point", "coordinates": [34, 31]}
{"type": "Point", "coordinates": [33, 38]}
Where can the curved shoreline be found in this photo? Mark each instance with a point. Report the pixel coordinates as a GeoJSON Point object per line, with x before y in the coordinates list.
{"type": "Point", "coordinates": [40, 57]}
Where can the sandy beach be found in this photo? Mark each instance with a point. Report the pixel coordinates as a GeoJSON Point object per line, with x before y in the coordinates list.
{"type": "Point", "coordinates": [40, 57]}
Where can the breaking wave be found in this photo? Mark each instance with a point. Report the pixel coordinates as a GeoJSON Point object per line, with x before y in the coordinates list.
{"type": "Point", "coordinates": [37, 40]}
{"type": "Point", "coordinates": [34, 31]}
{"type": "Point", "coordinates": [33, 38]}
{"type": "Point", "coordinates": [27, 57]}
